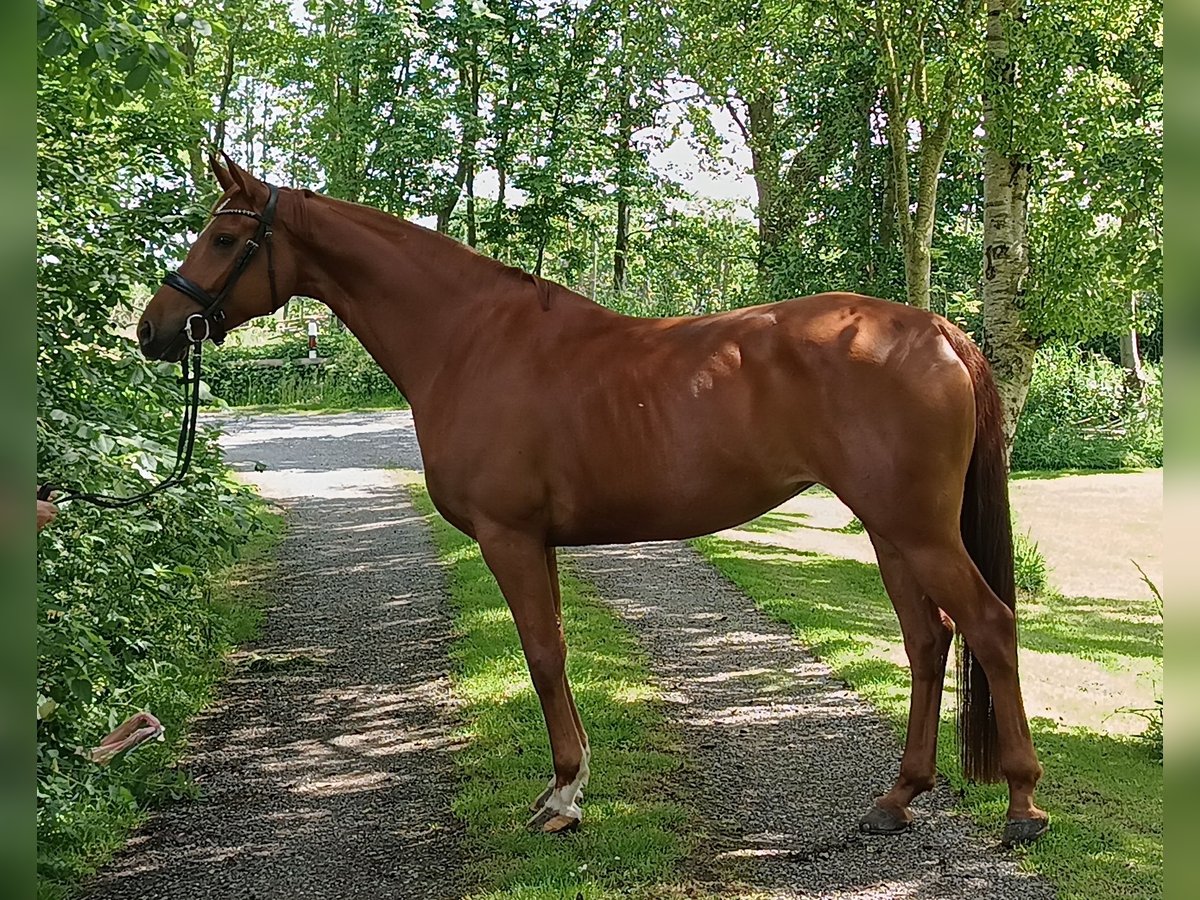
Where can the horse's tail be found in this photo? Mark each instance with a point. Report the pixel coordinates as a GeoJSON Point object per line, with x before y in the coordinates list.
{"type": "Point", "coordinates": [987, 534]}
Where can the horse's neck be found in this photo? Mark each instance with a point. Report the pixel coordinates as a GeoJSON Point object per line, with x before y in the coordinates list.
{"type": "Point", "coordinates": [411, 295]}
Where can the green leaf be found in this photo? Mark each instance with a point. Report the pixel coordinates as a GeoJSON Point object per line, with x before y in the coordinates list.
{"type": "Point", "coordinates": [137, 78]}
{"type": "Point", "coordinates": [58, 44]}
{"type": "Point", "coordinates": [81, 688]}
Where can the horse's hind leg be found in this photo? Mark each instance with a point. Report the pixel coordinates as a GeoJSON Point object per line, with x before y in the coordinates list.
{"type": "Point", "coordinates": [927, 637]}
{"type": "Point", "coordinates": [519, 563]}
{"type": "Point", "coordinates": [948, 575]}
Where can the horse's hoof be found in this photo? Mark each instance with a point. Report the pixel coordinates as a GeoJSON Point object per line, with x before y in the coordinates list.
{"type": "Point", "coordinates": [1024, 831]}
{"type": "Point", "coordinates": [541, 800]}
{"type": "Point", "coordinates": [547, 821]}
{"type": "Point", "coordinates": [881, 820]}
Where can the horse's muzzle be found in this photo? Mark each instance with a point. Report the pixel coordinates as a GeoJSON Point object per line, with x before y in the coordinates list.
{"type": "Point", "coordinates": [160, 345]}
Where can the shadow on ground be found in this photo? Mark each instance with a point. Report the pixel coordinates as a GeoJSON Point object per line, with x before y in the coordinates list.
{"type": "Point", "coordinates": [325, 771]}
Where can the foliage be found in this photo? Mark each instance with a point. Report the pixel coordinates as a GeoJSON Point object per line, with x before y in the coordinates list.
{"type": "Point", "coordinates": [1029, 564]}
{"type": "Point", "coordinates": [1081, 415]}
{"type": "Point", "coordinates": [632, 836]}
{"type": "Point", "coordinates": [1093, 126]}
{"type": "Point", "coordinates": [127, 618]}
{"type": "Point", "coordinates": [350, 378]}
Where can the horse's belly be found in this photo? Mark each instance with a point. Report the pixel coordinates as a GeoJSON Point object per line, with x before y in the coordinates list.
{"type": "Point", "coordinates": [649, 513]}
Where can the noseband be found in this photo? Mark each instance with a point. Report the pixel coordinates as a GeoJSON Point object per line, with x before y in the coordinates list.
{"type": "Point", "coordinates": [213, 304]}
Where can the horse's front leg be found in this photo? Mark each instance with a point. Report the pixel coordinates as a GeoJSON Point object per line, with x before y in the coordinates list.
{"type": "Point", "coordinates": [552, 571]}
{"type": "Point", "coordinates": [519, 562]}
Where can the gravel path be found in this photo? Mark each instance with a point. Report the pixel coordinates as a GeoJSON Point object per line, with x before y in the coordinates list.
{"type": "Point", "coordinates": [325, 768]}
{"type": "Point", "coordinates": [1064, 514]}
{"type": "Point", "coordinates": [784, 757]}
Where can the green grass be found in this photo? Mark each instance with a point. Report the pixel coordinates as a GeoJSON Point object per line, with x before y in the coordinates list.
{"type": "Point", "coordinates": [775, 522]}
{"type": "Point", "coordinates": [1042, 474]}
{"type": "Point", "coordinates": [318, 407]}
{"type": "Point", "coordinates": [1104, 793]}
{"type": "Point", "coordinates": [632, 835]}
{"type": "Point", "coordinates": [97, 830]}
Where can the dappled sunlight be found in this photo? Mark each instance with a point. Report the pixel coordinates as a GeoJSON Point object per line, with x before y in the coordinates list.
{"type": "Point", "coordinates": [338, 725]}
{"type": "Point", "coordinates": [770, 714]}
{"type": "Point", "coordinates": [330, 484]}
{"type": "Point", "coordinates": [782, 757]}
{"type": "Point", "coordinates": [344, 783]}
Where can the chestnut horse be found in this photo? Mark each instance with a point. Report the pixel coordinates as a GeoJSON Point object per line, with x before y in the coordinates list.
{"type": "Point", "coordinates": [546, 420]}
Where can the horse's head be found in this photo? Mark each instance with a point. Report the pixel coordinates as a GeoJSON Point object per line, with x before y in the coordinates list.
{"type": "Point", "coordinates": [240, 267]}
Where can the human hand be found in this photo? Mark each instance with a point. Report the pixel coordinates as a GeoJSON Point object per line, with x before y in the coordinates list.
{"type": "Point", "coordinates": [46, 511]}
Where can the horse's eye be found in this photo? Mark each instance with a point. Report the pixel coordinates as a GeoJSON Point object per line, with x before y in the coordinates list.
{"type": "Point", "coordinates": [224, 240]}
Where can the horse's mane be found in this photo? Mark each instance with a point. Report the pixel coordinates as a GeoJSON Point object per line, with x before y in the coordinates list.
{"type": "Point", "coordinates": [389, 224]}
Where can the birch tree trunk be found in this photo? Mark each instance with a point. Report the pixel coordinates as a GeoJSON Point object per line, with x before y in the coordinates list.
{"type": "Point", "coordinates": [1008, 345]}
{"type": "Point", "coordinates": [1131, 357]}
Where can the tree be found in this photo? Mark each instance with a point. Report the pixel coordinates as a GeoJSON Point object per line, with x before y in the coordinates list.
{"type": "Point", "coordinates": [1009, 346]}
{"type": "Point", "coordinates": [921, 52]}
{"type": "Point", "coordinates": [1073, 121]}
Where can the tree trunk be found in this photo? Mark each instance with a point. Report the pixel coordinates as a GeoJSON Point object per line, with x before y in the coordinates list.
{"type": "Point", "coordinates": [765, 158]}
{"type": "Point", "coordinates": [862, 183]}
{"type": "Point", "coordinates": [621, 247]}
{"type": "Point", "coordinates": [1131, 357]}
{"type": "Point", "coordinates": [472, 234]}
{"type": "Point", "coordinates": [226, 86]}
{"type": "Point", "coordinates": [906, 91]}
{"type": "Point", "coordinates": [1008, 345]}
{"type": "Point", "coordinates": [466, 152]}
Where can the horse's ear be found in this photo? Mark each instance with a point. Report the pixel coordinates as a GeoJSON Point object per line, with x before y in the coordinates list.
{"type": "Point", "coordinates": [222, 174]}
{"type": "Point", "coordinates": [251, 186]}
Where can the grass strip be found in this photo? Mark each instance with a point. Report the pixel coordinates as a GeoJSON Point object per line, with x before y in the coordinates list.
{"type": "Point", "coordinates": [1104, 793]}
{"type": "Point", "coordinates": [633, 835]}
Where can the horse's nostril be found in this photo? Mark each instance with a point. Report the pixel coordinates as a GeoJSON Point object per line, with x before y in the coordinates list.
{"type": "Point", "coordinates": [145, 333]}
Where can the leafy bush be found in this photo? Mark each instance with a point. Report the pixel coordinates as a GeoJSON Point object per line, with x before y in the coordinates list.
{"type": "Point", "coordinates": [1081, 415]}
{"type": "Point", "coordinates": [1030, 565]}
{"type": "Point", "coordinates": [351, 378]}
{"type": "Point", "coordinates": [126, 617]}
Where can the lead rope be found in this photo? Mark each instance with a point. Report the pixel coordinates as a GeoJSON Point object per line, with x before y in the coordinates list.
{"type": "Point", "coordinates": [183, 448]}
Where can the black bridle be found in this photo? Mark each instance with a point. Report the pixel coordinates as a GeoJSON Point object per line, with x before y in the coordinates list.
{"type": "Point", "coordinates": [213, 312]}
